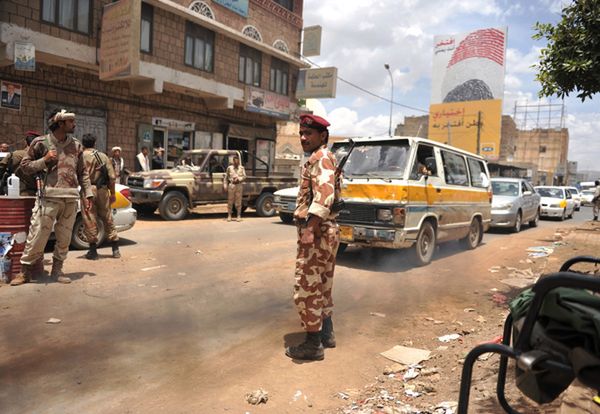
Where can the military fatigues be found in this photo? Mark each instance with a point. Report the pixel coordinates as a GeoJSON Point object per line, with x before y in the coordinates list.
{"type": "Point", "coordinates": [101, 205]}
{"type": "Point", "coordinates": [59, 204]}
{"type": "Point", "coordinates": [13, 163]}
{"type": "Point", "coordinates": [596, 204]}
{"type": "Point", "coordinates": [315, 263]}
{"type": "Point", "coordinates": [234, 177]}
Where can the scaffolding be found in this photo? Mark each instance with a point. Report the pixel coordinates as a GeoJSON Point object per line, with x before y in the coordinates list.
{"type": "Point", "coordinates": [539, 116]}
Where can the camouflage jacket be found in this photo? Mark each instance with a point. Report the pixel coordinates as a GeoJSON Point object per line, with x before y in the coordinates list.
{"type": "Point", "coordinates": [93, 167]}
{"type": "Point", "coordinates": [232, 173]}
{"type": "Point", "coordinates": [319, 186]}
{"type": "Point", "coordinates": [64, 174]}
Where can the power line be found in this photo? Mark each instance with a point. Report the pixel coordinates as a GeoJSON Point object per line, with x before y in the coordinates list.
{"type": "Point", "coordinates": [369, 92]}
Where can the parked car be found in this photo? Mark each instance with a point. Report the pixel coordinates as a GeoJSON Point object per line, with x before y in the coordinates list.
{"type": "Point", "coordinates": [586, 197]}
{"type": "Point", "coordinates": [284, 202]}
{"type": "Point", "coordinates": [556, 202]}
{"type": "Point", "coordinates": [576, 197]}
{"type": "Point", "coordinates": [124, 218]}
{"type": "Point", "coordinates": [514, 202]}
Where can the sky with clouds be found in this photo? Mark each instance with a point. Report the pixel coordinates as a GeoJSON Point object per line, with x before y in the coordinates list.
{"type": "Point", "coordinates": [359, 37]}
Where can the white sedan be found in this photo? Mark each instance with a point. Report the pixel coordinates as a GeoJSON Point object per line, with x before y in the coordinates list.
{"type": "Point", "coordinates": [556, 202]}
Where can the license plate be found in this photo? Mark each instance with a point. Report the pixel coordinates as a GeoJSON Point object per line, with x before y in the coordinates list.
{"type": "Point", "coordinates": [346, 232]}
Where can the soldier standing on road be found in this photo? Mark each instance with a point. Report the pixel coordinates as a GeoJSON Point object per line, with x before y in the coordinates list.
{"type": "Point", "coordinates": [60, 157]}
{"type": "Point", "coordinates": [318, 240]}
{"type": "Point", "coordinates": [102, 178]}
{"type": "Point", "coordinates": [596, 200]}
{"type": "Point", "coordinates": [234, 176]}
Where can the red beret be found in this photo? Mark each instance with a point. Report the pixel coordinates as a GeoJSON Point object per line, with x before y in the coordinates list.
{"type": "Point", "coordinates": [313, 121]}
{"type": "Point", "coordinates": [32, 134]}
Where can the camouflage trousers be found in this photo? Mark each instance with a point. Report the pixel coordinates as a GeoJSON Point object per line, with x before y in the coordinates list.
{"type": "Point", "coordinates": [44, 214]}
{"type": "Point", "coordinates": [315, 264]}
{"type": "Point", "coordinates": [596, 208]}
{"type": "Point", "coordinates": [234, 197]}
{"type": "Point", "coordinates": [100, 211]}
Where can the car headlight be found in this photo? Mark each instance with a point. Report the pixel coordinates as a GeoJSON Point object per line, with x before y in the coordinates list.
{"type": "Point", "coordinates": [505, 206]}
{"type": "Point", "coordinates": [277, 199]}
{"type": "Point", "coordinates": [153, 183]}
{"type": "Point", "coordinates": [384, 214]}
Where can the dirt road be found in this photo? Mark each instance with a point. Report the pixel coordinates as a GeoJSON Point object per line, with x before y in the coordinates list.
{"type": "Point", "coordinates": [197, 313]}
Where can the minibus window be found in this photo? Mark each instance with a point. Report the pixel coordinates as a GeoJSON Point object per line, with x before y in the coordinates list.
{"type": "Point", "coordinates": [378, 160]}
{"type": "Point", "coordinates": [455, 168]}
{"type": "Point", "coordinates": [419, 168]}
{"type": "Point", "coordinates": [478, 176]}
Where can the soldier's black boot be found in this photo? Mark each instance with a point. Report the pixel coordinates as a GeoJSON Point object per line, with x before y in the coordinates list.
{"type": "Point", "coordinates": [115, 250]}
{"type": "Point", "coordinates": [327, 335]}
{"type": "Point", "coordinates": [92, 254]}
{"type": "Point", "coordinates": [310, 350]}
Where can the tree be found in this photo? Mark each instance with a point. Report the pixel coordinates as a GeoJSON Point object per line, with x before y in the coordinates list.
{"type": "Point", "coordinates": [571, 60]}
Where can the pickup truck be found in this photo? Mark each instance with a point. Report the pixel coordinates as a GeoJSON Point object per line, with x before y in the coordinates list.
{"type": "Point", "coordinates": [198, 180]}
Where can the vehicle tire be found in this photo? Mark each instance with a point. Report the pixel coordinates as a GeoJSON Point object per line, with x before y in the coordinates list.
{"type": "Point", "coordinates": [518, 222]}
{"type": "Point", "coordinates": [264, 205]}
{"type": "Point", "coordinates": [342, 248]}
{"type": "Point", "coordinates": [287, 218]}
{"type": "Point", "coordinates": [536, 219]}
{"type": "Point", "coordinates": [571, 215]}
{"type": "Point", "coordinates": [425, 245]}
{"type": "Point", "coordinates": [145, 209]}
{"type": "Point", "coordinates": [78, 239]}
{"type": "Point", "coordinates": [173, 206]}
{"type": "Point", "coordinates": [475, 235]}
{"type": "Point", "coordinates": [564, 215]}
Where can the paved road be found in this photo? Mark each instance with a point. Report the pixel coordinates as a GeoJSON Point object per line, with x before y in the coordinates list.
{"type": "Point", "coordinates": [197, 313]}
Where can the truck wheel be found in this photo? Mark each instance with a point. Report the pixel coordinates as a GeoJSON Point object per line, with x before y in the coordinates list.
{"type": "Point", "coordinates": [145, 209]}
{"type": "Point", "coordinates": [536, 219]}
{"type": "Point", "coordinates": [173, 206]}
{"type": "Point", "coordinates": [264, 205]}
{"type": "Point", "coordinates": [78, 239]}
{"type": "Point", "coordinates": [425, 245]}
{"type": "Point", "coordinates": [287, 218]}
{"type": "Point", "coordinates": [475, 234]}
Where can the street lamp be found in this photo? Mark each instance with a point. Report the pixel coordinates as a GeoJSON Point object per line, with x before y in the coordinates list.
{"type": "Point", "coordinates": [387, 67]}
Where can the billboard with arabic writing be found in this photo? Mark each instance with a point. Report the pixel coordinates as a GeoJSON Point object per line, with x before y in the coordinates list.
{"type": "Point", "coordinates": [458, 124]}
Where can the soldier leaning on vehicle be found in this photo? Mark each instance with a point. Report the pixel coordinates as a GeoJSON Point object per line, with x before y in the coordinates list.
{"type": "Point", "coordinates": [60, 158]}
{"type": "Point", "coordinates": [102, 177]}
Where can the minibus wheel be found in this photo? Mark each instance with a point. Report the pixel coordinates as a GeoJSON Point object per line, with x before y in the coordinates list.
{"type": "Point", "coordinates": [475, 235]}
{"type": "Point", "coordinates": [425, 245]}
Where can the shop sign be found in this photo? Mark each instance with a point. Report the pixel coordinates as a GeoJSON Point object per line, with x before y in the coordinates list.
{"type": "Point", "coordinates": [25, 56]}
{"type": "Point", "coordinates": [311, 43]}
{"type": "Point", "coordinates": [238, 6]}
{"type": "Point", "coordinates": [267, 103]}
{"type": "Point", "coordinates": [317, 83]}
{"type": "Point", "coordinates": [173, 124]}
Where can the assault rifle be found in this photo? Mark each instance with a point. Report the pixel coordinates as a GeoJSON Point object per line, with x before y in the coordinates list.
{"type": "Point", "coordinates": [339, 205]}
{"type": "Point", "coordinates": [103, 179]}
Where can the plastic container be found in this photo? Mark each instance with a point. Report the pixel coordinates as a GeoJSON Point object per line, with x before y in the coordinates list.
{"type": "Point", "coordinates": [13, 186]}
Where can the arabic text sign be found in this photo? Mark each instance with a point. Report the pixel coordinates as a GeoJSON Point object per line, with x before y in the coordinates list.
{"type": "Point", "coordinates": [238, 6]}
{"type": "Point", "coordinates": [456, 124]}
{"type": "Point", "coordinates": [317, 83]}
{"type": "Point", "coordinates": [311, 44]}
{"type": "Point", "coordinates": [120, 41]}
{"type": "Point", "coordinates": [25, 56]}
{"type": "Point", "coordinates": [268, 103]}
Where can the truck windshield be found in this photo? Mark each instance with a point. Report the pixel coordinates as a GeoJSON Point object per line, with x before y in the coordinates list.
{"type": "Point", "coordinates": [378, 160]}
{"type": "Point", "coordinates": [191, 160]}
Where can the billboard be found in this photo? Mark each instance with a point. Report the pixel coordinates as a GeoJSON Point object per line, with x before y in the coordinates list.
{"type": "Point", "coordinates": [464, 124]}
{"type": "Point", "coordinates": [267, 103]}
{"type": "Point", "coordinates": [238, 6]}
{"type": "Point", "coordinates": [317, 83]}
{"type": "Point", "coordinates": [468, 66]}
{"type": "Point", "coordinates": [120, 40]}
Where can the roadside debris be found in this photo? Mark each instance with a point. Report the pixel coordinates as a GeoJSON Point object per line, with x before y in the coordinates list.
{"type": "Point", "coordinates": [257, 397]}
{"type": "Point", "coordinates": [406, 356]}
{"type": "Point", "coordinates": [448, 338]}
{"type": "Point", "coordinates": [540, 251]}
{"type": "Point", "coordinates": [53, 321]}
{"type": "Point", "coordinates": [380, 315]}
{"type": "Point", "coordinates": [499, 299]}
{"type": "Point", "coordinates": [145, 269]}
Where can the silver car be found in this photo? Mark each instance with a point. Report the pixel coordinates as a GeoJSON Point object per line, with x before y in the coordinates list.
{"type": "Point", "coordinates": [514, 202]}
{"type": "Point", "coordinates": [284, 202]}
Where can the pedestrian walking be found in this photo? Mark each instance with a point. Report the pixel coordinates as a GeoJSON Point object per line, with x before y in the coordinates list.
{"type": "Point", "coordinates": [118, 164]}
{"type": "Point", "coordinates": [596, 200]}
{"type": "Point", "coordinates": [59, 157]}
{"type": "Point", "coordinates": [102, 178]}
{"type": "Point", "coordinates": [318, 240]}
{"type": "Point", "coordinates": [142, 162]}
{"type": "Point", "coordinates": [234, 177]}
{"type": "Point", "coordinates": [12, 164]}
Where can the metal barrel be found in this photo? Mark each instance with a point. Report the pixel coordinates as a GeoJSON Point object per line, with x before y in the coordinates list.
{"type": "Point", "coordinates": [15, 216]}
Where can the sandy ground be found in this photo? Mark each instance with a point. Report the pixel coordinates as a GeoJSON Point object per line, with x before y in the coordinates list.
{"type": "Point", "coordinates": [197, 313]}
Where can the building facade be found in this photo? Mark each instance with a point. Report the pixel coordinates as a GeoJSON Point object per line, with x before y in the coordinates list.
{"type": "Point", "coordinates": [176, 74]}
{"type": "Point", "coordinates": [547, 148]}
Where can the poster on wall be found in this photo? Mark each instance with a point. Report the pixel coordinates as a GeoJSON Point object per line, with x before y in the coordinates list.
{"type": "Point", "coordinates": [10, 95]}
{"type": "Point", "coordinates": [238, 6]}
{"type": "Point", "coordinates": [25, 56]}
{"type": "Point", "coordinates": [468, 66]}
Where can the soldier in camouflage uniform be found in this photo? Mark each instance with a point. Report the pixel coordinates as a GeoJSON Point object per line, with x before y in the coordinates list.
{"type": "Point", "coordinates": [234, 176]}
{"type": "Point", "coordinates": [318, 240]}
{"type": "Point", "coordinates": [12, 164]}
{"type": "Point", "coordinates": [60, 157]}
{"type": "Point", "coordinates": [102, 177]}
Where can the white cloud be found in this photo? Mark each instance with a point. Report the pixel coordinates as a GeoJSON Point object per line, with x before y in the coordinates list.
{"type": "Point", "coordinates": [584, 145]}
{"type": "Point", "coordinates": [346, 122]}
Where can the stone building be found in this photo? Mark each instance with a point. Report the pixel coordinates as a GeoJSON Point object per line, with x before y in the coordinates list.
{"type": "Point", "coordinates": [547, 148]}
{"type": "Point", "coordinates": [176, 74]}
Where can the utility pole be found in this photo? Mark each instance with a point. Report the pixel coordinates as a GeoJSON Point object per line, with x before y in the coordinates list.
{"type": "Point", "coordinates": [449, 133]}
{"type": "Point", "coordinates": [387, 67]}
{"type": "Point", "coordinates": [478, 132]}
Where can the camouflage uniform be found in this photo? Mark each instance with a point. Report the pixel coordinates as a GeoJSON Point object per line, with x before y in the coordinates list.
{"type": "Point", "coordinates": [234, 189]}
{"type": "Point", "coordinates": [13, 163]}
{"type": "Point", "coordinates": [315, 263]}
{"type": "Point", "coordinates": [596, 203]}
{"type": "Point", "coordinates": [59, 204]}
{"type": "Point", "coordinates": [101, 205]}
